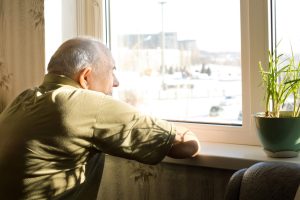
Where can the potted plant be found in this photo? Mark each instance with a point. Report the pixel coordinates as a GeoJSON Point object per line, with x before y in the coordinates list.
{"type": "Point", "coordinates": [278, 129]}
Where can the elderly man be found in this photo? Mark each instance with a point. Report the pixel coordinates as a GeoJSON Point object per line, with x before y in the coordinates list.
{"type": "Point", "coordinates": [53, 137]}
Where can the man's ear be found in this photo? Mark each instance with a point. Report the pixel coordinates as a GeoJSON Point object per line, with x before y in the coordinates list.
{"type": "Point", "coordinates": [84, 77]}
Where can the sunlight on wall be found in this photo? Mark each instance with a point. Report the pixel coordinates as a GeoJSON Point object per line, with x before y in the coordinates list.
{"type": "Point", "coordinates": [53, 27]}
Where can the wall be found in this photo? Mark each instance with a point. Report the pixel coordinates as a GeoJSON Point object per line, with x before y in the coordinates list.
{"type": "Point", "coordinates": [70, 18]}
{"type": "Point", "coordinates": [60, 24]}
{"type": "Point", "coordinates": [21, 45]}
{"type": "Point", "coordinates": [129, 180]}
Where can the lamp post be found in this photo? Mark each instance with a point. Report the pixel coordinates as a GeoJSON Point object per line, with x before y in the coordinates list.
{"type": "Point", "coordinates": [162, 3]}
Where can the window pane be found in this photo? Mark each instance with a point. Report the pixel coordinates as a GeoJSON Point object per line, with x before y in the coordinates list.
{"type": "Point", "coordinates": [287, 28]}
{"type": "Point", "coordinates": [180, 59]}
{"type": "Point", "coordinates": [287, 33]}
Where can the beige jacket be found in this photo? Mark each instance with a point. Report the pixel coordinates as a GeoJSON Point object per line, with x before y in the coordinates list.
{"type": "Point", "coordinates": [52, 138]}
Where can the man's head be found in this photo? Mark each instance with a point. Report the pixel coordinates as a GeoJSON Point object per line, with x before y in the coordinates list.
{"type": "Point", "coordinates": [88, 62]}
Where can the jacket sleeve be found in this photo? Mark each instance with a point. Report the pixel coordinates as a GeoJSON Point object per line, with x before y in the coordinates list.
{"type": "Point", "coordinates": [121, 130]}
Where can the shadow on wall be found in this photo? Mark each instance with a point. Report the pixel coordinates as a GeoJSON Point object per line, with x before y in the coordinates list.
{"type": "Point", "coordinates": [4, 85]}
{"type": "Point", "coordinates": [128, 180]}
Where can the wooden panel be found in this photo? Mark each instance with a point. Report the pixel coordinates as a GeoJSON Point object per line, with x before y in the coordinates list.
{"type": "Point", "coordinates": [130, 180]}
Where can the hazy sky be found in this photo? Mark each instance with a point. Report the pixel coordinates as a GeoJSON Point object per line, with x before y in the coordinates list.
{"type": "Point", "coordinates": [288, 29]}
{"type": "Point", "coordinates": [215, 24]}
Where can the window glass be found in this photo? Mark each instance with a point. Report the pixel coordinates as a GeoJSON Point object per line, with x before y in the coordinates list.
{"type": "Point", "coordinates": [286, 32]}
{"type": "Point", "coordinates": [179, 60]}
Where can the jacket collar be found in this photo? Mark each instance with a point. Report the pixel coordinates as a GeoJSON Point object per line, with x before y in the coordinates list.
{"type": "Point", "coordinates": [60, 80]}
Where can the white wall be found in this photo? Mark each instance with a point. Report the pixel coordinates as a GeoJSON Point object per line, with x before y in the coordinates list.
{"type": "Point", "coordinates": [60, 24]}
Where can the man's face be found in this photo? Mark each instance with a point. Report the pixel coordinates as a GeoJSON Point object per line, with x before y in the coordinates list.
{"type": "Point", "coordinates": [104, 79]}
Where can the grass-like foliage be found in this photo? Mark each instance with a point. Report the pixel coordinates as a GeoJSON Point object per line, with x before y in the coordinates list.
{"type": "Point", "coordinates": [281, 79]}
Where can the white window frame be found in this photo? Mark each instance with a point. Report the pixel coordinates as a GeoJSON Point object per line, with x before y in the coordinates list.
{"type": "Point", "coordinates": [254, 42]}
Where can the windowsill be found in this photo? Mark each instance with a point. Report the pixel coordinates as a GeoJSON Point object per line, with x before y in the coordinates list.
{"type": "Point", "coordinates": [228, 156]}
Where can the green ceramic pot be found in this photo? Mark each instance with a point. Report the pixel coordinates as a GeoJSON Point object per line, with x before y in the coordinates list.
{"type": "Point", "coordinates": [280, 137]}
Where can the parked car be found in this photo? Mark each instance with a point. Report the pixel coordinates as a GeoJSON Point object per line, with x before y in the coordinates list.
{"type": "Point", "coordinates": [229, 108]}
{"type": "Point", "coordinates": [215, 111]}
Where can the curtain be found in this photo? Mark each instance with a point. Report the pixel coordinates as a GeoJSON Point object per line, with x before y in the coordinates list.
{"type": "Point", "coordinates": [22, 62]}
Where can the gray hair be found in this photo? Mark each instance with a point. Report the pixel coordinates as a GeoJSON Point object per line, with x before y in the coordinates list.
{"type": "Point", "coordinates": [76, 54]}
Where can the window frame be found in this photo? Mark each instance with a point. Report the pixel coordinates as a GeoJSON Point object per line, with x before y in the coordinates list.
{"type": "Point", "coordinates": [254, 48]}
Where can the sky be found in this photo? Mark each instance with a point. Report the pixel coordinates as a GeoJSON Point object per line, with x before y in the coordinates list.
{"type": "Point", "coordinates": [288, 29]}
{"type": "Point", "coordinates": [215, 24]}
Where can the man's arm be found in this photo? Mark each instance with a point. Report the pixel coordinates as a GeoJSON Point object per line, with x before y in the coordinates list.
{"type": "Point", "coordinates": [185, 144]}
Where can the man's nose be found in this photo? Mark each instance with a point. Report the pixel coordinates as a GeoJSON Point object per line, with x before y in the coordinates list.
{"type": "Point", "coordinates": [116, 82]}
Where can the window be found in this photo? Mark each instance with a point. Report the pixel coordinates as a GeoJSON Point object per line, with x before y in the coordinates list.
{"type": "Point", "coordinates": [179, 60]}
{"type": "Point", "coordinates": [286, 32]}
{"type": "Point", "coordinates": [143, 86]}
{"type": "Point", "coordinates": [192, 62]}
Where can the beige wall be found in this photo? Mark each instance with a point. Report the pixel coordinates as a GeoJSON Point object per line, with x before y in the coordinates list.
{"type": "Point", "coordinates": [21, 44]}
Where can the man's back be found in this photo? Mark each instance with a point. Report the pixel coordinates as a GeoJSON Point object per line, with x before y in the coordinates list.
{"type": "Point", "coordinates": [37, 152]}
{"type": "Point", "coordinates": [51, 136]}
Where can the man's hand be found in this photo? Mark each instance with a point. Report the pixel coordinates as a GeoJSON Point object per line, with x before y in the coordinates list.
{"type": "Point", "coordinates": [185, 145]}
